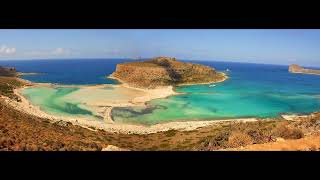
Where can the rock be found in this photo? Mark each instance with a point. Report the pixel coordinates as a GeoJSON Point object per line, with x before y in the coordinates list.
{"type": "Point", "coordinates": [280, 139]}
{"type": "Point", "coordinates": [165, 71]}
{"type": "Point", "coordinates": [113, 148]}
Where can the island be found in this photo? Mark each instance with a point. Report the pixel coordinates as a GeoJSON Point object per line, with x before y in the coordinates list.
{"type": "Point", "coordinates": [165, 71]}
{"type": "Point", "coordinates": [26, 127]}
{"type": "Point", "coordinates": [298, 69]}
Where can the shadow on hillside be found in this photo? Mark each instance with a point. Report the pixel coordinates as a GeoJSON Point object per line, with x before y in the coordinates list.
{"type": "Point", "coordinates": [174, 75]}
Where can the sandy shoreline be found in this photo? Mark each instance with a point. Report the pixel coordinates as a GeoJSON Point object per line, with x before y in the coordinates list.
{"type": "Point", "coordinates": [26, 107]}
{"type": "Point", "coordinates": [108, 124]}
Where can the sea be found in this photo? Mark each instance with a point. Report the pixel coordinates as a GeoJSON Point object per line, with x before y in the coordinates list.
{"type": "Point", "coordinates": [252, 90]}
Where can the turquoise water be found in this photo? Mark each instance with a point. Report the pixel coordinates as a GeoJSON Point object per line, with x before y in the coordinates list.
{"type": "Point", "coordinates": [253, 90]}
{"type": "Point", "coordinates": [52, 100]}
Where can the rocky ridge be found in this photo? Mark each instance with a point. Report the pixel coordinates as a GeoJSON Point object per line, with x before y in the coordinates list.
{"type": "Point", "coordinates": [165, 71]}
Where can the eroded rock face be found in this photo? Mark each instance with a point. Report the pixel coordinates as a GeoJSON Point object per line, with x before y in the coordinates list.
{"type": "Point", "coordinates": [298, 69]}
{"type": "Point", "coordinates": [164, 71]}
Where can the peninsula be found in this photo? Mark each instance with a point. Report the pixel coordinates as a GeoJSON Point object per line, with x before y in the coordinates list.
{"type": "Point", "coordinates": [12, 72]}
{"type": "Point", "coordinates": [165, 71]}
{"type": "Point", "coordinates": [298, 69]}
{"type": "Point", "coordinates": [8, 71]}
{"type": "Point", "coordinates": [24, 126]}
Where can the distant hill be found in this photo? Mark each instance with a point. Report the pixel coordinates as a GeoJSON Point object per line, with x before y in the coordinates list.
{"type": "Point", "coordinates": [298, 69]}
{"type": "Point", "coordinates": [164, 71]}
{"type": "Point", "coordinates": [8, 71]}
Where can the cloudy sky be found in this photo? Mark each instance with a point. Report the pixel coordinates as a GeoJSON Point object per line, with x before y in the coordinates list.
{"type": "Point", "coordinates": [258, 46]}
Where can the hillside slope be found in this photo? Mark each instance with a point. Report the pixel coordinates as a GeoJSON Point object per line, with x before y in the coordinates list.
{"type": "Point", "coordinates": [164, 71]}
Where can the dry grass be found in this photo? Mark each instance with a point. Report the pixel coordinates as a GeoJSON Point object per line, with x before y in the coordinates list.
{"type": "Point", "coordinates": [282, 130]}
{"type": "Point", "coordinates": [20, 131]}
{"type": "Point", "coordinates": [7, 85]}
{"type": "Point", "coordinates": [237, 139]}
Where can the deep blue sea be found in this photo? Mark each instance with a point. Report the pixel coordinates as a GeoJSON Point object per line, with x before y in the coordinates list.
{"type": "Point", "coordinates": [253, 90]}
{"type": "Point", "coordinates": [71, 71]}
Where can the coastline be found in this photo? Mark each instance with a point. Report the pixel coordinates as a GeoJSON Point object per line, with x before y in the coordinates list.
{"type": "Point", "coordinates": [108, 125]}
{"type": "Point", "coordinates": [305, 73]}
{"type": "Point", "coordinates": [26, 107]}
{"type": "Point", "coordinates": [225, 77]}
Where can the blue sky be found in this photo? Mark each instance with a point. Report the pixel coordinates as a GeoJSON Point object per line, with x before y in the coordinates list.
{"type": "Point", "coordinates": [257, 46]}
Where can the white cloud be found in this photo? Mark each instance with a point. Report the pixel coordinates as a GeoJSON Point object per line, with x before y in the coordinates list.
{"type": "Point", "coordinates": [60, 51]}
{"type": "Point", "coordinates": [49, 53]}
{"type": "Point", "coordinates": [4, 50]}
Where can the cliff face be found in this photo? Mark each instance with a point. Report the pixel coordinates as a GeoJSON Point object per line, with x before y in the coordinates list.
{"type": "Point", "coordinates": [163, 71]}
{"type": "Point", "coordinates": [8, 71]}
{"type": "Point", "coordinates": [298, 69]}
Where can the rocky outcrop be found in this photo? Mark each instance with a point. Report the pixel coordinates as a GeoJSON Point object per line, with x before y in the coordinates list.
{"type": "Point", "coordinates": [298, 69]}
{"type": "Point", "coordinates": [113, 148]}
{"type": "Point", "coordinates": [164, 71]}
{"type": "Point", "coordinates": [8, 71]}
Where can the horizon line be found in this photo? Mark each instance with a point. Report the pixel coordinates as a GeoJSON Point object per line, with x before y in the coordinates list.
{"type": "Point", "coordinates": [144, 58]}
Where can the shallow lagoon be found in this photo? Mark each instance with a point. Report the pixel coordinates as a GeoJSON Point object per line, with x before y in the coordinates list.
{"type": "Point", "coordinates": [253, 90]}
{"type": "Point", "coordinates": [52, 100]}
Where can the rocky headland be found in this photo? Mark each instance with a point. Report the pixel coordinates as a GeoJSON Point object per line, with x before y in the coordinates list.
{"type": "Point", "coordinates": [8, 71]}
{"type": "Point", "coordinates": [165, 71]}
{"type": "Point", "coordinates": [12, 72]}
{"type": "Point", "coordinates": [298, 69]}
{"type": "Point", "coordinates": [21, 130]}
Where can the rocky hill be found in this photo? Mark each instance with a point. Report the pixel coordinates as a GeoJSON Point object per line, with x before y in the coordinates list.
{"type": "Point", "coordinates": [8, 71]}
{"type": "Point", "coordinates": [164, 71]}
{"type": "Point", "coordinates": [298, 69]}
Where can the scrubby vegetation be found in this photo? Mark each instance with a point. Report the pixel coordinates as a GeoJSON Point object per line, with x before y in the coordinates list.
{"type": "Point", "coordinates": [8, 84]}
{"type": "Point", "coordinates": [165, 71]}
{"type": "Point", "coordinates": [237, 139]}
{"type": "Point", "coordinates": [243, 134]}
{"type": "Point", "coordinates": [283, 131]}
{"type": "Point", "coordinates": [20, 131]}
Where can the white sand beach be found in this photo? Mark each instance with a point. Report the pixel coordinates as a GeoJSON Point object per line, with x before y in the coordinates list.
{"type": "Point", "coordinates": [103, 104]}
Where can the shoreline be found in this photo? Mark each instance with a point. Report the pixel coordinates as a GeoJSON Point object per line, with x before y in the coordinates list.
{"type": "Point", "coordinates": [109, 125]}
{"type": "Point", "coordinates": [225, 77]}
{"type": "Point", "coordinates": [305, 73]}
{"type": "Point", "coordinates": [132, 128]}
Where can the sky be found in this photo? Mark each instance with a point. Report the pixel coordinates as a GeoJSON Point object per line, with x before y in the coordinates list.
{"type": "Point", "coordinates": [237, 45]}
